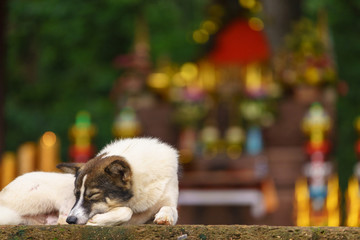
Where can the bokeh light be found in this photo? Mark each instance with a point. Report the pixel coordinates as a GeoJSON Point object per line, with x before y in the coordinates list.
{"type": "Point", "coordinates": [200, 36]}
{"type": "Point", "coordinates": [256, 24]}
{"type": "Point", "coordinates": [48, 139]}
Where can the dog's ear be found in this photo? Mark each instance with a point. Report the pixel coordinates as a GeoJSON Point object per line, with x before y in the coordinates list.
{"type": "Point", "coordinates": [70, 167]}
{"type": "Point", "coordinates": [119, 169]}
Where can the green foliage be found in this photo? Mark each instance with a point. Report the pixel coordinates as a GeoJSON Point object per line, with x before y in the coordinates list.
{"type": "Point", "coordinates": [171, 24]}
{"type": "Point", "coordinates": [346, 31]}
{"type": "Point", "coordinates": [60, 57]}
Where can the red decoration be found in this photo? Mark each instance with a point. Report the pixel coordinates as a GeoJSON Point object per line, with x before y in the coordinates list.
{"type": "Point", "coordinates": [238, 43]}
{"type": "Point", "coordinates": [323, 147]}
{"type": "Point", "coordinates": [81, 154]}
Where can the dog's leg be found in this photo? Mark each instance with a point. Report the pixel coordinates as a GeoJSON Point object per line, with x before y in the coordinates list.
{"type": "Point", "coordinates": [114, 217]}
{"type": "Point", "coordinates": [168, 214]}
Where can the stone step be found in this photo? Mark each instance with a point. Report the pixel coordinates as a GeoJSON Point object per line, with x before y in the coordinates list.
{"type": "Point", "coordinates": [179, 232]}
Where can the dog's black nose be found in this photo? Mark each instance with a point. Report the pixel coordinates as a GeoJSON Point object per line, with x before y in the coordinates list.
{"type": "Point", "coordinates": [71, 220]}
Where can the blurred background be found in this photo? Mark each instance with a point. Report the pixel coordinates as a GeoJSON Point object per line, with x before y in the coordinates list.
{"type": "Point", "coordinates": [259, 96]}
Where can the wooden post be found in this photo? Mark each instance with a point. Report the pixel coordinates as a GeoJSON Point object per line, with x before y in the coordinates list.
{"type": "Point", "coordinates": [26, 158]}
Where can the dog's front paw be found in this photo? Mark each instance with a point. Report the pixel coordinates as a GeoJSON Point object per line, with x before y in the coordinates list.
{"type": "Point", "coordinates": [104, 219]}
{"type": "Point", "coordinates": [98, 220]}
{"type": "Point", "coordinates": [114, 217]}
{"type": "Point", "coordinates": [166, 216]}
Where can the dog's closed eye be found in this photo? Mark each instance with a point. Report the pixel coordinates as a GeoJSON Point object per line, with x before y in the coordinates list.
{"type": "Point", "coordinates": [94, 196]}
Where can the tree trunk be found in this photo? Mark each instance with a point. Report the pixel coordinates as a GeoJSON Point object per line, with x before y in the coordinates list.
{"type": "Point", "coordinates": [279, 17]}
{"type": "Point", "coordinates": [3, 11]}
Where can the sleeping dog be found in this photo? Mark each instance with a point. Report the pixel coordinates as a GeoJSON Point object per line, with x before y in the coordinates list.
{"type": "Point", "coordinates": [130, 181]}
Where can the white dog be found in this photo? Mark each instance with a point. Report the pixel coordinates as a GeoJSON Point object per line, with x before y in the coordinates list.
{"type": "Point", "coordinates": [131, 181]}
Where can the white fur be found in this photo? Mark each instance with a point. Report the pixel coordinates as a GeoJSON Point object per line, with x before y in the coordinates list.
{"type": "Point", "coordinates": [9, 216]}
{"type": "Point", "coordinates": [154, 167]}
{"type": "Point", "coordinates": [35, 195]}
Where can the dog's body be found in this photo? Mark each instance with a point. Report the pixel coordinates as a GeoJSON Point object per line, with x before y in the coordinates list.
{"type": "Point", "coordinates": [131, 181]}
{"type": "Point", "coordinates": [37, 198]}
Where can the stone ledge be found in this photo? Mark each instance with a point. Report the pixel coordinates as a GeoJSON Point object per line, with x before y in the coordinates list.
{"type": "Point", "coordinates": [179, 232]}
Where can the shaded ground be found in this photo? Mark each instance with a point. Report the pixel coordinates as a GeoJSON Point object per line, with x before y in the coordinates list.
{"type": "Point", "coordinates": [179, 232]}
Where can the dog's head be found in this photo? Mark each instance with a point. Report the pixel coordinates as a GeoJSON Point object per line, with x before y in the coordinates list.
{"type": "Point", "coordinates": [100, 185]}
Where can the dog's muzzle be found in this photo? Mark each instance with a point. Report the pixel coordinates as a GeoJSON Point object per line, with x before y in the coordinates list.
{"type": "Point", "coordinates": [71, 220]}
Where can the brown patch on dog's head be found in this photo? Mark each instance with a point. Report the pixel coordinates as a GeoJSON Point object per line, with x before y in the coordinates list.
{"type": "Point", "coordinates": [112, 169]}
{"type": "Point", "coordinates": [100, 185]}
{"type": "Point", "coordinates": [119, 171]}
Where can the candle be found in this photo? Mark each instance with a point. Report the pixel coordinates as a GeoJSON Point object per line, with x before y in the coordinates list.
{"type": "Point", "coordinates": [48, 152]}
